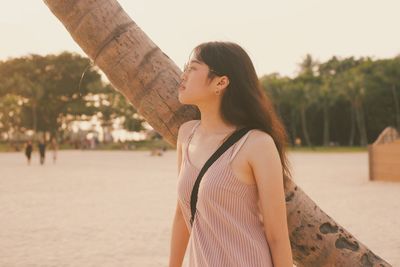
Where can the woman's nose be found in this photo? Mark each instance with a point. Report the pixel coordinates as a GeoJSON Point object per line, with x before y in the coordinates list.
{"type": "Point", "coordinates": [183, 76]}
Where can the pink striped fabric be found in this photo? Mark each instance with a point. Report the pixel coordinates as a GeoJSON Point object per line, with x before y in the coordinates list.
{"type": "Point", "coordinates": [227, 230]}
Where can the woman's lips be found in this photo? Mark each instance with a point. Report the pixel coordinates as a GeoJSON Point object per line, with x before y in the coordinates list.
{"type": "Point", "coordinates": [181, 88]}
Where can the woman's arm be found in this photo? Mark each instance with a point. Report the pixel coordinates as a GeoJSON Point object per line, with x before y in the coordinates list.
{"type": "Point", "coordinates": [180, 233]}
{"type": "Point", "coordinates": [267, 169]}
{"type": "Point", "coordinates": [179, 240]}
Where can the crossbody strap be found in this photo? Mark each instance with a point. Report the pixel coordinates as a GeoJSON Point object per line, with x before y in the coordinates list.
{"type": "Point", "coordinates": [227, 144]}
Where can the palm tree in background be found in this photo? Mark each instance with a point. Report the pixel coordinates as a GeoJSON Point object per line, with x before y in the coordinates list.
{"type": "Point", "coordinates": [305, 87]}
{"type": "Point", "coordinates": [328, 94]}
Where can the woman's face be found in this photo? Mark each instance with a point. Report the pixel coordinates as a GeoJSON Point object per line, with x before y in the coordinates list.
{"type": "Point", "coordinates": [195, 85]}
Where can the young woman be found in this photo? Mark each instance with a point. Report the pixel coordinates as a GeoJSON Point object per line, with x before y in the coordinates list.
{"type": "Point", "coordinates": [241, 212]}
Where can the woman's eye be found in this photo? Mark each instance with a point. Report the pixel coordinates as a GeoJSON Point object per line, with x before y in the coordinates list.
{"type": "Point", "coordinates": [188, 68]}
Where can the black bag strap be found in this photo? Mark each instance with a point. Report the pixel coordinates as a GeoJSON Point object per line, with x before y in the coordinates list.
{"type": "Point", "coordinates": [227, 144]}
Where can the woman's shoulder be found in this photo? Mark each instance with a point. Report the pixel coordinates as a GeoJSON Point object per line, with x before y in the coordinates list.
{"type": "Point", "coordinates": [258, 140]}
{"type": "Point", "coordinates": [258, 135]}
{"type": "Point", "coordinates": [185, 129]}
{"type": "Point", "coordinates": [261, 146]}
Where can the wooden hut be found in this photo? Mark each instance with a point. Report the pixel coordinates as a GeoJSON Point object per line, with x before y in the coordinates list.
{"type": "Point", "coordinates": [384, 156]}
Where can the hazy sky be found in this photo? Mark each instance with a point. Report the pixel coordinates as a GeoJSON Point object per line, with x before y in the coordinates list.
{"type": "Point", "coordinates": [277, 34]}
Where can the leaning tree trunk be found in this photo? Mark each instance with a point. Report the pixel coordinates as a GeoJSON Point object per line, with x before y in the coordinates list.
{"type": "Point", "coordinates": [149, 79]}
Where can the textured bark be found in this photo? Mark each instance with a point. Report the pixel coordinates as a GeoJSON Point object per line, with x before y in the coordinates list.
{"type": "Point", "coordinates": [131, 61]}
{"type": "Point", "coordinates": [149, 79]}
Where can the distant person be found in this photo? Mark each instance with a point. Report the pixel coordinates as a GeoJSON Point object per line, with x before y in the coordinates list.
{"type": "Point", "coordinates": [54, 147]}
{"type": "Point", "coordinates": [42, 151]}
{"type": "Point", "coordinates": [92, 142]}
{"type": "Point", "coordinates": [28, 151]}
{"type": "Point", "coordinates": [297, 141]}
{"type": "Point", "coordinates": [156, 152]}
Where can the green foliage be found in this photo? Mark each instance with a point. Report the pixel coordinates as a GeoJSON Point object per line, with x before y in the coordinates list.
{"type": "Point", "coordinates": [51, 94]}
{"type": "Point", "coordinates": [345, 101]}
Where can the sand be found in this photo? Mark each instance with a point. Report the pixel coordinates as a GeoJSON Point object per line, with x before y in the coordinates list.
{"type": "Point", "coordinates": [116, 208]}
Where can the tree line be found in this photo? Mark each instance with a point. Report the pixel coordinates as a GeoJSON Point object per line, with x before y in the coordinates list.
{"type": "Point", "coordinates": [343, 101]}
{"type": "Point", "coordinates": [45, 94]}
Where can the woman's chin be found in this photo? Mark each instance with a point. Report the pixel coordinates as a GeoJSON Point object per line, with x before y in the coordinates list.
{"type": "Point", "coordinates": [183, 100]}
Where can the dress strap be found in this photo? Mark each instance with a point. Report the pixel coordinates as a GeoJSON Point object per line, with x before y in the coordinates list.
{"type": "Point", "coordinates": [190, 138]}
{"type": "Point", "coordinates": [238, 145]}
{"type": "Point", "coordinates": [192, 132]}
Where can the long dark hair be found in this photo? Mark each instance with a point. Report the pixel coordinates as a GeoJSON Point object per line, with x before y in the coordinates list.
{"type": "Point", "coordinates": [244, 102]}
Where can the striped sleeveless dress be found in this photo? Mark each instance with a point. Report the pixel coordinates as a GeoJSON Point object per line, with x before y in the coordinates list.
{"type": "Point", "coordinates": [228, 228]}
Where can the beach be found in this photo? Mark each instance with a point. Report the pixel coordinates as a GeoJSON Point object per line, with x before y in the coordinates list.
{"type": "Point", "coordinates": [115, 208]}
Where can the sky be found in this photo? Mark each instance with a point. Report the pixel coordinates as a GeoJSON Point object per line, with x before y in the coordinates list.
{"type": "Point", "coordinates": [276, 34]}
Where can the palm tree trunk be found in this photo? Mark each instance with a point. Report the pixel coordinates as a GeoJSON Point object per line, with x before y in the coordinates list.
{"type": "Point", "coordinates": [293, 120]}
{"type": "Point", "coordinates": [326, 123]}
{"type": "Point", "coordinates": [9, 134]}
{"type": "Point", "coordinates": [149, 79]}
{"type": "Point", "coordinates": [360, 121]}
{"type": "Point", "coordinates": [396, 106]}
{"type": "Point", "coordinates": [352, 126]}
{"type": "Point", "coordinates": [304, 124]}
{"type": "Point", "coordinates": [34, 117]}
{"type": "Point", "coordinates": [364, 139]}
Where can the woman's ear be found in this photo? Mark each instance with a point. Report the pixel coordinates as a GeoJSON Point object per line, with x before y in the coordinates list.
{"type": "Point", "coordinates": [223, 82]}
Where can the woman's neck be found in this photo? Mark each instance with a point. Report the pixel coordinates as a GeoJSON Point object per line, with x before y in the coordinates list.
{"type": "Point", "coordinates": [213, 124]}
